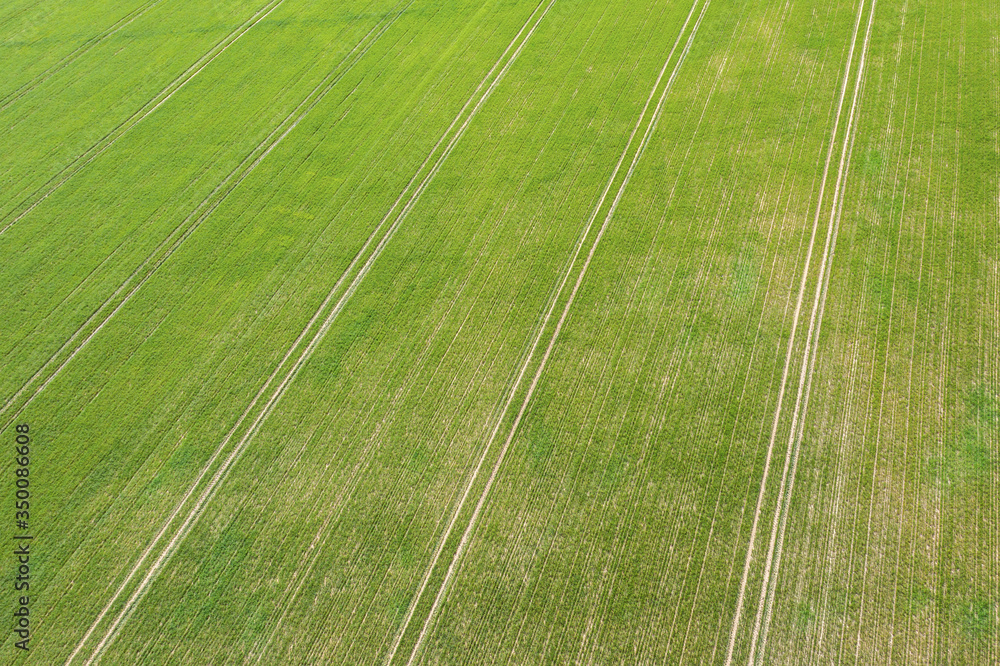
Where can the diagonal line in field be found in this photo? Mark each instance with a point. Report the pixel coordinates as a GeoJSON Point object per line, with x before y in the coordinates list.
{"type": "Point", "coordinates": [34, 199]}
{"type": "Point", "coordinates": [513, 391]}
{"type": "Point", "coordinates": [235, 177]}
{"type": "Point", "coordinates": [791, 344]}
{"type": "Point", "coordinates": [797, 430]}
{"type": "Point", "coordinates": [76, 54]}
{"type": "Point", "coordinates": [188, 226]}
{"type": "Point", "coordinates": [208, 493]}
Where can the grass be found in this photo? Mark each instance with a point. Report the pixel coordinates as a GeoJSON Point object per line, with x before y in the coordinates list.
{"type": "Point", "coordinates": [619, 521]}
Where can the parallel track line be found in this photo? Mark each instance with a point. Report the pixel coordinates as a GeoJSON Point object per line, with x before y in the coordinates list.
{"type": "Point", "coordinates": [737, 616]}
{"type": "Point", "coordinates": [309, 103]}
{"type": "Point", "coordinates": [33, 200]}
{"type": "Point", "coordinates": [76, 54]}
{"type": "Point", "coordinates": [513, 430]}
{"type": "Point", "coordinates": [208, 493]}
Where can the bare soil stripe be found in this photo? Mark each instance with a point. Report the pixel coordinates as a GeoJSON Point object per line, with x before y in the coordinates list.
{"type": "Point", "coordinates": [34, 199]}
{"type": "Point", "coordinates": [76, 54]}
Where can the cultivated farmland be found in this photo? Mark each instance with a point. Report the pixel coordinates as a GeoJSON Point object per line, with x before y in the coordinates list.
{"type": "Point", "coordinates": [480, 331]}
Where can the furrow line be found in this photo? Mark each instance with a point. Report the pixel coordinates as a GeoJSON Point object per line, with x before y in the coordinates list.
{"type": "Point", "coordinates": [208, 493]}
{"type": "Point", "coordinates": [33, 200]}
{"type": "Point", "coordinates": [134, 282]}
{"type": "Point", "coordinates": [207, 206]}
{"type": "Point", "coordinates": [76, 54]}
{"type": "Point", "coordinates": [650, 127]}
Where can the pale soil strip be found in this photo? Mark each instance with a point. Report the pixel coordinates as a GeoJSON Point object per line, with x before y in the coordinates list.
{"type": "Point", "coordinates": [485, 493]}
{"type": "Point", "coordinates": [188, 226]}
{"type": "Point", "coordinates": [208, 493]}
{"type": "Point", "coordinates": [788, 356]}
{"type": "Point", "coordinates": [34, 199]}
{"type": "Point", "coordinates": [267, 145]}
{"type": "Point", "coordinates": [808, 365]}
{"type": "Point", "coordinates": [76, 54]}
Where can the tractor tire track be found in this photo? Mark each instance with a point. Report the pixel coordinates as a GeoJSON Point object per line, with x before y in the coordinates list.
{"type": "Point", "coordinates": [380, 237]}
{"type": "Point", "coordinates": [791, 453]}
{"type": "Point", "coordinates": [207, 206]}
{"type": "Point", "coordinates": [84, 334]}
{"type": "Point", "coordinates": [812, 342]}
{"type": "Point", "coordinates": [76, 54]}
{"type": "Point", "coordinates": [456, 558]}
{"type": "Point", "coordinates": [33, 200]}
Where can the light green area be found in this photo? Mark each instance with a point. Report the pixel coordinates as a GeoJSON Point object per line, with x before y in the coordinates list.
{"type": "Point", "coordinates": [617, 525]}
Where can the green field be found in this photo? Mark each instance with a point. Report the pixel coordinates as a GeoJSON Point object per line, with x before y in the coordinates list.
{"type": "Point", "coordinates": [499, 332]}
